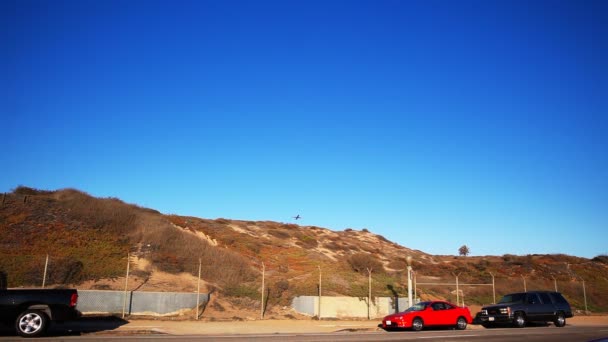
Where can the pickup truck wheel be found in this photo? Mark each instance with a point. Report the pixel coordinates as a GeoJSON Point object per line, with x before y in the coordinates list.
{"type": "Point", "coordinates": [519, 321]}
{"type": "Point", "coordinates": [560, 320]}
{"type": "Point", "coordinates": [31, 323]}
{"type": "Point", "coordinates": [417, 324]}
{"type": "Point", "coordinates": [461, 323]}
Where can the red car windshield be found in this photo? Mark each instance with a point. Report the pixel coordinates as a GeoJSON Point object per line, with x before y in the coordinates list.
{"type": "Point", "coordinates": [418, 307]}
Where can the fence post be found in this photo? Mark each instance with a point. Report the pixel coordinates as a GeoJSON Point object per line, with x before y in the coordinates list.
{"type": "Point", "coordinates": [369, 294]}
{"type": "Point", "coordinates": [198, 288]}
{"type": "Point", "coordinates": [457, 290]}
{"type": "Point", "coordinates": [124, 303]}
{"type": "Point", "coordinates": [554, 283]}
{"type": "Point", "coordinates": [415, 286]}
{"type": "Point", "coordinates": [584, 296]}
{"type": "Point", "coordinates": [319, 267]}
{"type": "Point", "coordinates": [524, 278]}
{"type": "Point", "coordinates": [263, 280]}
{"type": "Point", "coordinates": [493, 289]}
{"type": "Point", "coordinates": [46, 264]}
{"type": "Point", "coordinates": [408, 259]}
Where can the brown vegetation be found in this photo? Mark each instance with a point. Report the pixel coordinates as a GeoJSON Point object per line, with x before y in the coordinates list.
{"type": "Point", "coordinates": [88, 240]}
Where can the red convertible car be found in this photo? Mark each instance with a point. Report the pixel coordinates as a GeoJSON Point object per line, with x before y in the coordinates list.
{"type": "Point", "coordinates": [424, 314]}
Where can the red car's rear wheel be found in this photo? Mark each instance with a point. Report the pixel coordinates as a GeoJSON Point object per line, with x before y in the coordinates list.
{"type": "Point", "coordinates": [461, 323]}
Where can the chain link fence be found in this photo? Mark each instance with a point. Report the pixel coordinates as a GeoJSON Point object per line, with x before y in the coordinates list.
{"type": "Point", "coordinates": [182, 285]}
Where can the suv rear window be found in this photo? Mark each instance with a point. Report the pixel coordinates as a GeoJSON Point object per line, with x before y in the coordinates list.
{"type": "Point", "coordinates": [558, 298]}
{"type": "Point", "coordinates": [533, 299]}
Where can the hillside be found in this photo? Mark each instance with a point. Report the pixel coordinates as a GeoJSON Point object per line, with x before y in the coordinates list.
{"type": "Point", "coordinates": [88, 240]}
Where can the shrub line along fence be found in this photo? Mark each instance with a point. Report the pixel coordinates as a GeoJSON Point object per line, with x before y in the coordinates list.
{"type": "Point", "coordinates": [165, 303]}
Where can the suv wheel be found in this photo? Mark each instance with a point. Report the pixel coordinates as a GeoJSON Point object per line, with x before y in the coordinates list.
{"type": "Point", "coordinates": [560, 320]}
{"type": "Point", "coordinates": [519, 321]}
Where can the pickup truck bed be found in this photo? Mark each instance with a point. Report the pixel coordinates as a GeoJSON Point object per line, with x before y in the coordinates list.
{"type": "Point", "coordinates": [31, 310]}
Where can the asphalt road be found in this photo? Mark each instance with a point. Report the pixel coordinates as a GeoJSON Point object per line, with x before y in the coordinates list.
{"type": "Point", "coordinates": [533, 334]}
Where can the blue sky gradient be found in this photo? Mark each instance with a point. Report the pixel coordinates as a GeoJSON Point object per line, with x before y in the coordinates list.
{"type": "Point", "coordinates": [432, 123]}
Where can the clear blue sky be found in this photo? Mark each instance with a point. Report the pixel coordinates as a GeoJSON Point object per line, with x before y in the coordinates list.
{"type": "Point", "coordinates": [432, 123]}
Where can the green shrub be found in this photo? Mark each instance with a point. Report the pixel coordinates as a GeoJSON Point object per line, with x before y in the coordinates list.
{"type": "Point", "coordinates": [242, 291]}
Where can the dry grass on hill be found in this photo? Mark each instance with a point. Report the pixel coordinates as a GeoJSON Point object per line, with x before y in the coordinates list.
{"type": "Point", "coordinates": [88, 240]}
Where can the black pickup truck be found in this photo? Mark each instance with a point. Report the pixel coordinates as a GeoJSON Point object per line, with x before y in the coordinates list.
{"type": "Point", "coordinates": [517, 309]}
{"type": "Point", "coordinates": [31, 310]}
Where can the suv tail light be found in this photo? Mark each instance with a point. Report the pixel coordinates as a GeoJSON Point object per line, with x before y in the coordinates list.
{"type": "Point", "coordinates": [73, 299]}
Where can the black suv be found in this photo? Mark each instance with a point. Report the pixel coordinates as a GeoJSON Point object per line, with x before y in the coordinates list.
{"type": "Point", "coordinates": [519, 308]}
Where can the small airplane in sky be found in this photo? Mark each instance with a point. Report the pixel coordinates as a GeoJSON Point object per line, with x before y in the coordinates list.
{"type": "Point", "coordinates": [297, 217]}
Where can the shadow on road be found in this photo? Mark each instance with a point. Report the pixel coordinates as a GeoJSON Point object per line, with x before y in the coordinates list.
{"type": "Point", "coordinates": [75, 328]}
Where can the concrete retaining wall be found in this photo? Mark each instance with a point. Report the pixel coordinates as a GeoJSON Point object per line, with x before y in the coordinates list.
{"type": "Point", "coordinates": [348, 307]}
{"type": "Point", "coordinates": [160, 303]}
